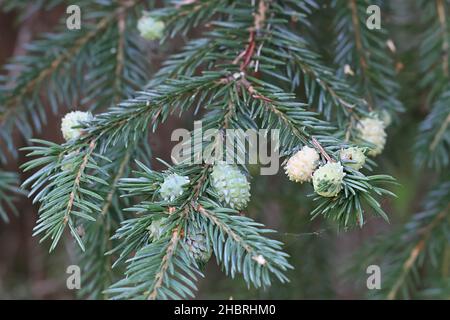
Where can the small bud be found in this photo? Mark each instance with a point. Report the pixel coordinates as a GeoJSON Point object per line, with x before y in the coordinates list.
{"type": "Point", "coordinates": [150, 28]}
{"type": "Point", "coordinates": [353, 157]}
{"type": "Point", "coordinates": [67, 162]}
{"type": "Point", "coordinates": [74, 119]}
{"type": "Point", "coordinates": [301, 165]}
{"type": "Point", "coordinates": [372, 130]}
{"type": "Point", "coordinates": [382, 115]}
{"type": "Point", "coordinates": [391, 45]}
{"type": "Point", "coordinates": [348, 70]}
{"type": "Point", "coordinates": [231, 185]}
{"type": "Point", "coordinates": [198, 246]}
{"type": "Point", "coordinates": [260, 260]}
{"type": "Point", "coordinates": [81, 231]}
{"type": "Point", "coordinates": [386, 117]}
{"type": "Point", "coordinates": [172, 186]}
{"type": "Point", "coordinates": [327, 180]}
{"type": "Point", "coordinates": [156, 229]}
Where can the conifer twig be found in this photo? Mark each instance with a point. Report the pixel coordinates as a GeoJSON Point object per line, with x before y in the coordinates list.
{"type": "Point", "coordinates": [417, 249]}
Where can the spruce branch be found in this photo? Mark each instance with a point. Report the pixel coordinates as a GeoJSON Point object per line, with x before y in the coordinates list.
{"type": "Point", "coordinates": [162, 270]}
{"type": "Point", "coordinates": [184, 16]}
{"type": "Point", "coordinates": [322, 87]}
{"type": "Point", "coordinates": [416, 248]}
{"type": "Point", "coordinates": [67, 194]}
{"type": "Point", "coordinates": [440, 7]}
{"type": "Point", "coordinates": [8, 191]}
{"type": "Point", "coordinates": [164, 281]}
{"type": "Point", "coordinates": [120, 172]}
{"type": "Point", "coordinates": [230, 242]}
{"type": "Point", "coordinates": [95, 265]}
{"type": "Point", "coordinates": [44, 71]}
{"type": "Point", "coordinates": [109, 128]}
{"type": "Point", "coordinates": [433, 48]}
{"type": "Point", "coordinates": [414, 257]}
{"type": "Point", "coordinates": [229, 74]}
{"type": "Point", "coordinates": [433, 142]}
{"type": "Point", "coordinates": [365, 52]}
{"type": "Point", "coordinates": [165, 262]}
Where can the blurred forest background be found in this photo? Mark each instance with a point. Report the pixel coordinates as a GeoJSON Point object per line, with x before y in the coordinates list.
{"type": "Point", "coordinates": [318, 251]}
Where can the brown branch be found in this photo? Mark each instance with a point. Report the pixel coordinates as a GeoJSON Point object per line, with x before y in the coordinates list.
{"type": "Point", "coordinates": [440, 7]}
{"type": "Point", "coordinates": [359, 47]}
{"type": "Point", "coordinates": [199, 208]}
{"type": "Point", "coordinates": [76, 184]}
{"type": "Point", "coordinates": [446, 262]}
{"type": "Point", "coordinates": [440, 133]}
{"type": "Point", "coordinates": [159, 279]}
{"type": "Point", "coordinates": [417, 249]}
{"type": "Point", "coordinates": [200, 182]}
{"type": "Point", "coordinates": [249, 51]}
{"type": "Point", "coordinates": [258, 24]}
{"type": "Point", "coordinates": [321, 149]}
{"type": "Point", "coordinates": [77, 46]}
{"type": "Point", "coordinates": [119, 56]}
{"type": "Point", "coordinates": [327, 87]}
{"type": "Point", "coordinates": [358, 42]}
{"type": "Point", "coordinates": [177, 234]}
{"type": "Point", "coordinates": [119, 174]}
{"type": "Point", "coordinates": [254, 94]}
{"type": "Point", "coordinates": [260, 16]}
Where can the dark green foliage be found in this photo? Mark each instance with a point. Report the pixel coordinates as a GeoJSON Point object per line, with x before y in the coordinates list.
{"type": "Point", "coordinates": [236, 241]}
{"type": "Point", "coordinates": [63, 187]}
{"type": "Point", "coordinates": [249, 69]}
{"type": "Point", "coordinates": [415, 256]}
{"type": "Point", "coordinates": [433, 47]}
{"type": "Point", "coordinates": [103, 58]}
{"type": "Point", "coordinates": [367, 54]}
{"type": "Point", "coordinates": [9, 183]}
{"type": "Point", "coordinates": [433, 141]}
